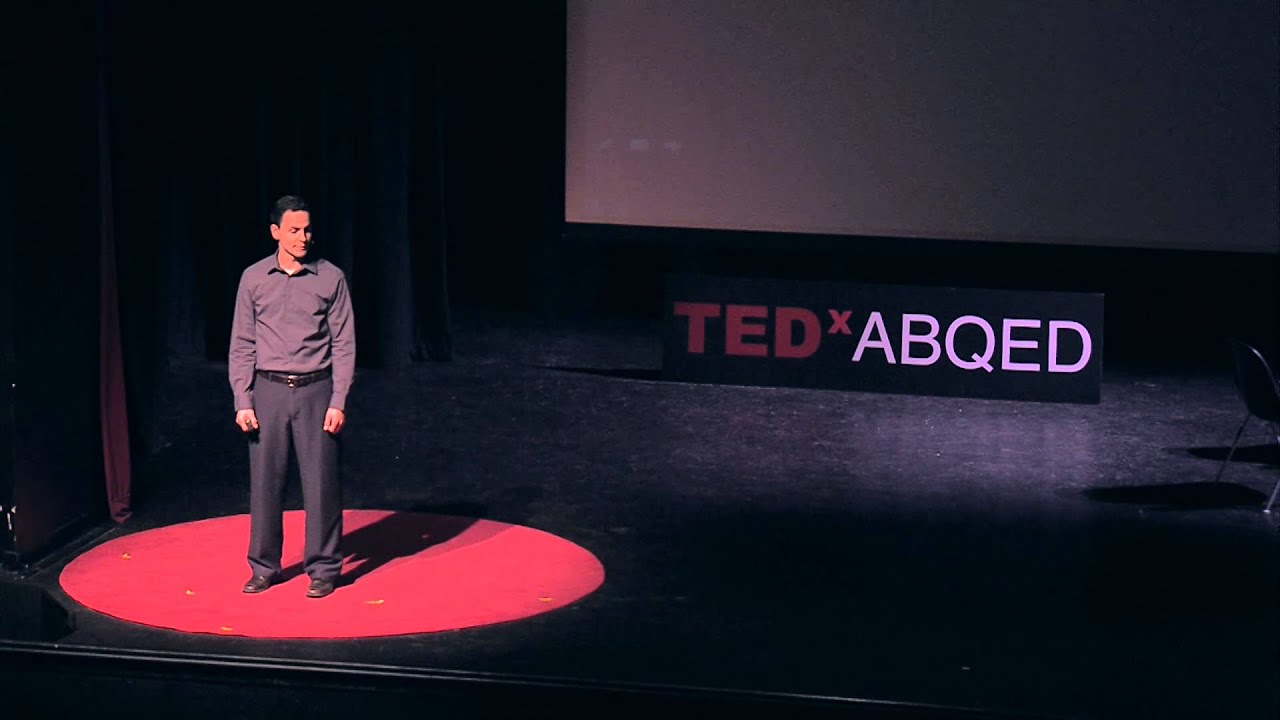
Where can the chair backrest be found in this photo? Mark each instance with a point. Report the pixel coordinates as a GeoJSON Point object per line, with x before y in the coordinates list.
{"type": "Point", "coordinates": [1255, 382]}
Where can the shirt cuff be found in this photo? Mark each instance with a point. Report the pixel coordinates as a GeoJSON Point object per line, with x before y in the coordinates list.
{"type": "Point", "coordinates": [338, 401]}
{"type": "Point", "coordinates": [244, 401]}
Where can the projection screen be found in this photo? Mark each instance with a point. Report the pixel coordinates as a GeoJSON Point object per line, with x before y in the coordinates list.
{"type": "Point", "coordinates": [1121, 123]}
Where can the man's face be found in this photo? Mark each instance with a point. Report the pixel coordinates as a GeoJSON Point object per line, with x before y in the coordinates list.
{"type": "Point", "coordinates": [294, 233]}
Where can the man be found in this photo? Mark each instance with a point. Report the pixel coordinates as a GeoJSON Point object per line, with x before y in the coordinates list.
{"type": "Point", "coordinates": [291, 364]}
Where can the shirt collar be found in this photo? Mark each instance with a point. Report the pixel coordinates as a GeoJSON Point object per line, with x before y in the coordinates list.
{"type": "Point", "coordinates": [273, 265]}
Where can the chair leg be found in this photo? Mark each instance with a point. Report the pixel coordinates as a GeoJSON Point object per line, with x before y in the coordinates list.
{"type": "Point", "coordinates": [1232, 451]}
{"type": "Point", "coordinates": [1276, 491]}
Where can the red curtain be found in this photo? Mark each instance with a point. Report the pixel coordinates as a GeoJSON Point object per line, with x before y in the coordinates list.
{"type": "Point", "coordinates": [113, 408]}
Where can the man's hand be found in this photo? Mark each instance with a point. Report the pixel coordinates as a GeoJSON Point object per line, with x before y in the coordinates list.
{"type": "Point", "coordinates": [247, 420]}
{"type": "Point", "coordinates": [333, 420]}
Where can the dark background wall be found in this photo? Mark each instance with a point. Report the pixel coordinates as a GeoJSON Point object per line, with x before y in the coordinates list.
{"type": "Point", "coordinates": [430, 139]}
{"type": "Point", "coordinates": [1165, 309]}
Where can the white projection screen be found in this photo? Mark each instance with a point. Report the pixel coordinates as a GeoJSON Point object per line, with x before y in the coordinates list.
{"type": "Point", "coordinates": [1118, 123]}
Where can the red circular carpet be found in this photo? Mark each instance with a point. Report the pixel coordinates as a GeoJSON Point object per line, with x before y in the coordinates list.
{"type": "Point", "coordinates": [404, 573]}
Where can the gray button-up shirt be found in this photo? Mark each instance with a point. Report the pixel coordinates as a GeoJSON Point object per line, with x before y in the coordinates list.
{"type": "Point", "coordinates": [296, 324]}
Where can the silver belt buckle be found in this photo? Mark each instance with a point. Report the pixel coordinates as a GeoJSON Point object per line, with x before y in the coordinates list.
{"type": "Point", "coordinates": [291, 381]}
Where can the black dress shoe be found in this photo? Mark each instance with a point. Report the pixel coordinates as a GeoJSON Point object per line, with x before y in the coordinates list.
{"type": "Point", "coordinates": [257, 584]}
{"type": "Point", "coordinates": [319, 587]}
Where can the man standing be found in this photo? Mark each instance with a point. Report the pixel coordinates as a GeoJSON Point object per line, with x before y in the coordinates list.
{"type": "Point", "coordinates": [291, 364]}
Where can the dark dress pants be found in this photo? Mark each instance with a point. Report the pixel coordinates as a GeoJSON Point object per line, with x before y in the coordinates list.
{"type": "Point", "coordinates": [294, 417]}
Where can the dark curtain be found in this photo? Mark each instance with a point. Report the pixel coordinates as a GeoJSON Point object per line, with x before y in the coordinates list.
{"type": "Point", "coordinates": [215, 113]}
{"type": "Point", "coordinates": [142, 146]}
{"type": "Point", "coordinates": [53, 242]}
{"type": "Point", "coordinates": [7, 379]}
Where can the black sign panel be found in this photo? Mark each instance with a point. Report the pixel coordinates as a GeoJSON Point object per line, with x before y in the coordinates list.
{"type": "Point", "coordinates": [1015, 345]}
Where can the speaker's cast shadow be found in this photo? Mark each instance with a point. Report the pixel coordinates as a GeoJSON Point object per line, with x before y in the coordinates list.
{"type": "Point", "coordinates": [399, 535]}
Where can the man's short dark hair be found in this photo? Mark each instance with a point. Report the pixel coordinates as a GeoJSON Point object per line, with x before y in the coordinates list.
{"type": "Point", "coordinates": [288, 203]}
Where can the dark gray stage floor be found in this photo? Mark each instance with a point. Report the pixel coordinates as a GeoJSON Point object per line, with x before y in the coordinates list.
{"type": "Point", "coordinates": [1064, 560]}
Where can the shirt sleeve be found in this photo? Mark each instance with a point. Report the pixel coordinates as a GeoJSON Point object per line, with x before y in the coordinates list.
{"type": "Point", "coordinates": [342, 333]}
{"type": "Point", "coordinates": [242, 356]}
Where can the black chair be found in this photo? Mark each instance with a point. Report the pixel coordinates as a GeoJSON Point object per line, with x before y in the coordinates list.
{"type": "Point", "coordinates": [1260, 392]}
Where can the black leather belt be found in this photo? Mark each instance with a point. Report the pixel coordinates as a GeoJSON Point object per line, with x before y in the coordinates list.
{"type": "Point", "coordinates": [295, 381]}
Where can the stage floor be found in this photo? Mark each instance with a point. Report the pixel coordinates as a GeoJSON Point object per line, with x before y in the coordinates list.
{"type": "Point", "coordinates": [1058, 560]}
